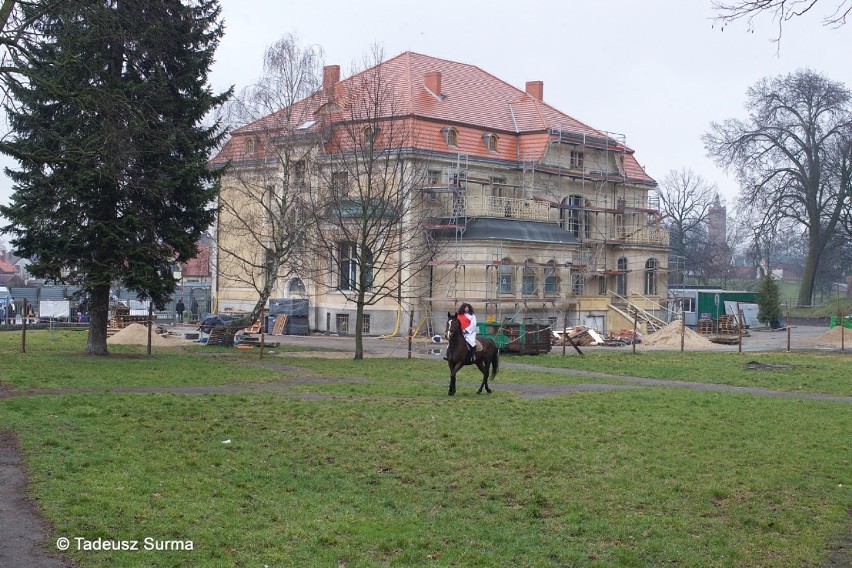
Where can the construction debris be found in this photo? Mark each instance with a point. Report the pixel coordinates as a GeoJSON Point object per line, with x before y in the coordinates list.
{"type": "Point", "coordinates": [579, 335]}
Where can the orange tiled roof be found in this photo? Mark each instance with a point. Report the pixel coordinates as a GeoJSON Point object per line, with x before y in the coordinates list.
{"type": "Point", "coordinates": [471, 100]}
{"type": "Point", "coordinates": [7, 267]}
{"type": "Point", "coordinates": [198, 266]}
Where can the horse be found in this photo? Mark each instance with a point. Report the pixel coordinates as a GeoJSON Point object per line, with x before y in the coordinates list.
{"type": "Point", "coordinates": [458, 355]}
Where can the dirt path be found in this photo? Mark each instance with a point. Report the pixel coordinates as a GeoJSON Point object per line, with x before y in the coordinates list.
{"type": "Point", "coordinates": [25, 532]}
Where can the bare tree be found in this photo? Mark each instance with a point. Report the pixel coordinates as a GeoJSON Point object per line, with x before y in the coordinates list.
{"type": "Point", "coordinates": [685, 199]}
{"type": "Point", "coordinates": [369, 222]}
{"type": "Point", "coordinates": [791, 157]}
{"type": "Point", "coordinates": [780, 11]}
{"type": "Point", "coordinates": [262, 215]}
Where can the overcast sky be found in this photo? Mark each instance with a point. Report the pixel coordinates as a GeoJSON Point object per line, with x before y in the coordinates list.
{"type": "Point", "coordinates": [656, 71]}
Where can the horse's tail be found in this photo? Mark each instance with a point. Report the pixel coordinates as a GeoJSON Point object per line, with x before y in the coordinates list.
{"type": "Point", "coordinates": [495, 362]}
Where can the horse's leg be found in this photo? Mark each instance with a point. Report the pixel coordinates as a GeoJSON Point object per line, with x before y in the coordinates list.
{"type": "Point", "coordinates": [453, 370]}
{"type": "Point", "coordinates": [483, 368]}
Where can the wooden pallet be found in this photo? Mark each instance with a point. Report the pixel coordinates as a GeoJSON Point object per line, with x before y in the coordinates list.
{"type": "Point", "coordinates": [728, 324]}
{"type": "Point", "coordinates": [280, 324]}
{"type": "Point", "coordinates": [221, 335]}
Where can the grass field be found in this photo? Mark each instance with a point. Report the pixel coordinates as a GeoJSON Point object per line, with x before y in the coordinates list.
{"type": "Point", "coordinates": [375, 466]}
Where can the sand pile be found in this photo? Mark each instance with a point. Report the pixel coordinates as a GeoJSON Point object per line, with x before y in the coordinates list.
{"type": "Point", "coordinates": [137, 334]}
{"type": "Point", "coordinates": [669, 337]}
{"type": "Point", "coordinates": [832, 337]}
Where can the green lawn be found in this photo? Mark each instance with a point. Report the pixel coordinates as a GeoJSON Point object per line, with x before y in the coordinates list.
{"type": "Point", "coordinates": [388, 471]}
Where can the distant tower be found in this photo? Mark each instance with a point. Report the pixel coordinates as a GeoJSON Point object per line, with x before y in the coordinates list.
{"type": "Point", "coordinates": [717, 225]}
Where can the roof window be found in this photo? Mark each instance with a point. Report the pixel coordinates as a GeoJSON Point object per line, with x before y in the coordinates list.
{"type": "Point", "coordinates": [451, 136]}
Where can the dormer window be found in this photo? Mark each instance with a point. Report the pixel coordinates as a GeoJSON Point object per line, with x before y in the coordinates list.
{"type": "Point", "coordinates": [451, 136]}
{"type": "Point", "coordinates": [250, 145]}
{"type": "Point", "coordinates": [577, 159]}
{"type": "Point", "coordinates": [490, 141]}
{"type": "Point", "coordinates": [368, 135]}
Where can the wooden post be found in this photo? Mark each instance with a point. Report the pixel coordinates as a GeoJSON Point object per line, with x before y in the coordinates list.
{"type": "Point", "coordinates": [564, 331]}
{"type": "Point", "coordinates": [635, 324]}
{"type": "Point", "coordinates": [740, 318]}
{"type": "Point", "coordinates": [24, 327]}
{"type": "Point", "coordinates": [150, 323]}
{"type": "Point", "coordinates": [788, 327]}
{"type": "Point", "coordinates": [411, 330]}
{"type": "Point", "coordinates": [842, 332]}
{"type": "Point", "coordinates": [682, 328]}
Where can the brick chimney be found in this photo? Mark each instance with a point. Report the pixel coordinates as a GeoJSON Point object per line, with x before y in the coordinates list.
{"type": "Point", "coordinates": [536, 89]}
{"type": "Point", "coordinates": [330, 76]}
{"type": "Point", "coordinates": [432, 80]}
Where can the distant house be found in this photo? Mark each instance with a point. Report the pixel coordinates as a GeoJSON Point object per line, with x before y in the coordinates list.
{"type": "Point", "coordinates": [197, 270]}
{"type": "Point", "coordinates": [8, 271]}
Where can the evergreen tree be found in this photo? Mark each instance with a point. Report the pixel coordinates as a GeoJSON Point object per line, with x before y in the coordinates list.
{"type": "Point", "coordinates": [113, 183]}
{"type": "Point", "coordinates": [769, 302]}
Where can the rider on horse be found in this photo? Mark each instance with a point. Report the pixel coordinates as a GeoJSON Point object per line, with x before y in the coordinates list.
{"type": "Point", "coordinates": [467, 322]}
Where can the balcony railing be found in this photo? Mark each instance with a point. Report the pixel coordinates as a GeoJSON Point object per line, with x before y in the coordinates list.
{"type": "Point", "coordinates": [643, 236]}
{"type": "Point", "coordinates": [507, 207]}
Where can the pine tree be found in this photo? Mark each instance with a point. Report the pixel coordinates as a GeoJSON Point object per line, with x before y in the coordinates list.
{"type": "Point", "coordinates": [768, 302]}
{"type": "Point", "coordinates": [113, 183]}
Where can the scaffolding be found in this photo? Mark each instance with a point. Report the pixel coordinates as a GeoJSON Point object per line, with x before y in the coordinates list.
{"type": "Point", "coordinates": [600, 208]}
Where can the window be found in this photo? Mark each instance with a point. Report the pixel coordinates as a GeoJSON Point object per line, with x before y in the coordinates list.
{"type": "Point", "coordinates": [432, 177]}
{"type": "Point", "coordinates": [602, 285]}
{"type": "Point", "coordinates": [576, 283]}
{"type": "Point", "coordinates": [299, 170]}
{"type": "Point", "coordinates": [575, 217]}
{"type": "Point", "coordinates": [576, 159]}
{"type": "Point", "coordinates": [687, 304]}
{"type": "Point", "coordinates": [250, 145]}
{"type": "Point", "coordinates": [528, 283]}
{"type": "Point", "coordinates": [490, 141]}
{"type": "Point", "coordinates": [551, 284]}
{"type": "Point", "coordinates": [451, 136]}
{"type": "Point", "coordinates": [348, 266]}
{"type": "Point", "coordinates": [621, 279]}
{"type": "Point", "coordinates": [368, 135]}
{"type": "Point", "coordinates": [342, 324]}
{"type": "Point", "coordinates": [505, 274]}
{"type": "Point", "coordinates": [651, 277]}
{"type": "Point", "coordinates": [297, 288]}
{"type": "Point", "coordinates": [365, 324]}
{"type": "Point", "coordinates": [499, 187]}
{"type": "Point", "coordinates": [348, 262]}
{"type": "Point", "coordinates": [340, 184]}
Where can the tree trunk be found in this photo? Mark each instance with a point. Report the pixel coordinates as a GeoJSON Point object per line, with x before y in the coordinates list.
{"type": "Point", "coordinates": [96, 344]}
{"type": "Point", "coordinates": [359, 327]}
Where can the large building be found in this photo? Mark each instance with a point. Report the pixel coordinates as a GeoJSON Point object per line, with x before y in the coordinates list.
{"type": "Point", "coordinates": [541, 216]}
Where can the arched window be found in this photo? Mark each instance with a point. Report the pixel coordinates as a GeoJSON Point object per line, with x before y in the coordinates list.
{"type": "Point", "coordinates": [368, 135]}
{"type": "Point", "coordinates": [506, 277]}
{"type": "Point", "coordinates": [651, 277]}
{"type": "Point", "coordinates": [451, 136]}
{"type": "Point", "coordinates": [490, 141]}
{"type": "Point", "coordinates": [528, 280]}
{"type": "Point", "coordinates": [621, 278]}
{"type": "Point", "coordinates": [296, 288]}
{"type": "Point", "coordinates": [250, 145]}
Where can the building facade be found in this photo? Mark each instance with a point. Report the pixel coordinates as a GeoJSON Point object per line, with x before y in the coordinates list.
{"type": "Point", "coordinates": [539, 217]}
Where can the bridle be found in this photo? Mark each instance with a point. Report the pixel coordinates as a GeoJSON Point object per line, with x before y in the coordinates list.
{"type": "Point", "coordinates": [450, 333]}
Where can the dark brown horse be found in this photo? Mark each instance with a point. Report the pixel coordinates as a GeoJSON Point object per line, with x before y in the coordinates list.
{"type": "Point", "coordinates": [458, 355]}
